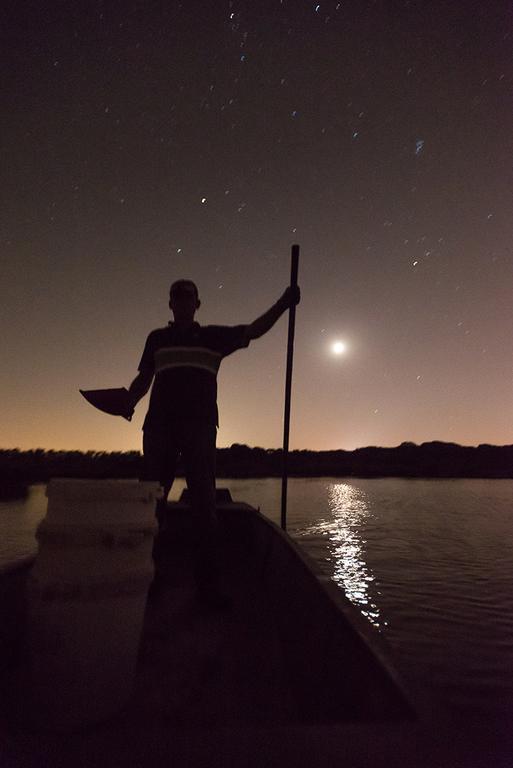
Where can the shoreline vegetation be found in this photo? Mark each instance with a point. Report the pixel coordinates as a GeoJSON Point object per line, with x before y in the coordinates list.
{"type": "Point", "coordinates": [19, 469]}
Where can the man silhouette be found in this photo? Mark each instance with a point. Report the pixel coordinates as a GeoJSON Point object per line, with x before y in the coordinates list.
{"type": "Point", "coordinates": [182, 417]}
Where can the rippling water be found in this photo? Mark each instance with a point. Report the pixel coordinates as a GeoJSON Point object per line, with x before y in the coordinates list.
{"type": "Point", "coordinates": [429, 562]}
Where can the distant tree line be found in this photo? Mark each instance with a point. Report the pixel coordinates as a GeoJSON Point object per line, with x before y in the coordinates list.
{"type": "Point", "coordinates": [434, 459]}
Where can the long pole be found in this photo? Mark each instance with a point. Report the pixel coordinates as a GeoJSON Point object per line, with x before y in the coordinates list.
{"type": "Point", "coordinates": [294, 263]}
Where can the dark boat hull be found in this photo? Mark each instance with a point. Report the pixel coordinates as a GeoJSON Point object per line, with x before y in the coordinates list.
{"type": "Point", "coordinates": [323, 662]}
{"type": "Point", "coordinates": [291, 653]}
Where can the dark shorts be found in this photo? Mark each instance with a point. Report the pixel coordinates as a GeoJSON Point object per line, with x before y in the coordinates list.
{"type": "Point", "coordinates": [195, 442]}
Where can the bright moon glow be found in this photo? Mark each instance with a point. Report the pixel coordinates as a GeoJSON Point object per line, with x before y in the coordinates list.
{"type": "Point", "coordinates": [338, 347]}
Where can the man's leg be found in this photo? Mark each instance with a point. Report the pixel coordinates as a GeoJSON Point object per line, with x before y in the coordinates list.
{"type": "Point", "coordinates": [160, 448]}
{"type": "Point", "coordinates": [199, 454]}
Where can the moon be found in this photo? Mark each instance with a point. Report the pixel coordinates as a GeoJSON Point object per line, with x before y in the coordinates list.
{"type": "Point", "coordinates": [338, 347]}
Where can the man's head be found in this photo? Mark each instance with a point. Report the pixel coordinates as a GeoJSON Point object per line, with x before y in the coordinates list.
{"type": "Point", "coordinates": [184, 301]}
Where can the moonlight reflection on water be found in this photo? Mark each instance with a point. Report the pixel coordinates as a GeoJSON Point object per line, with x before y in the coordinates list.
{"type": "Point", "coordinates": [349, 509]}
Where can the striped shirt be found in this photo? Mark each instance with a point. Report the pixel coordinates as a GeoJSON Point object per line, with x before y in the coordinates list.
{"type": "Point", "coordinates": [185, 363]}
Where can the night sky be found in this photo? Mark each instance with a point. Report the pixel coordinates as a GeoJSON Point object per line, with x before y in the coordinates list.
{"type": "Point", "coordinates": [145, 142]}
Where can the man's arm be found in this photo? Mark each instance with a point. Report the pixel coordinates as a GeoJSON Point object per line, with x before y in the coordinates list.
{"type": "Point", "coordinates": [140, 386]}
{"type": "Point", "coordinates": [266, 321]}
